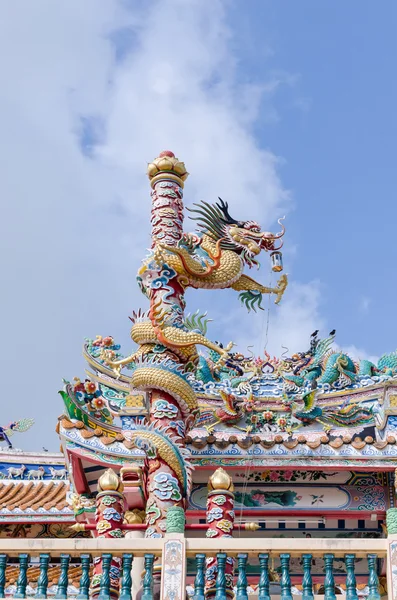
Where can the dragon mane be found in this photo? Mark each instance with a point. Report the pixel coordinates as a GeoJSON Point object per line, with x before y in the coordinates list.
{"type": "Point", "coordinates": [211, 220]}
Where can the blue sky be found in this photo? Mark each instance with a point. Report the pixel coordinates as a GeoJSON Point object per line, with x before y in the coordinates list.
{"type": "Point", "coordinates": [340, 151]}
{"type": "Point", "coordinates": [278, 107]}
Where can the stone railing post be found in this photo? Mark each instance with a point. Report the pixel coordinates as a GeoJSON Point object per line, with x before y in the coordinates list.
{"type": "Point", "coordinates": [173, 560]}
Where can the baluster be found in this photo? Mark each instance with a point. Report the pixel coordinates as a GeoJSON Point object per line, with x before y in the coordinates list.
{"type": "Point", "coordinates": [264, 582]}
{"type": "Point", "coordinates": [285, 583]}
{"type": "Point", "coordinates": [104, 588]}
{"type": "Point", "coordinates": [63, 581]}
{"type": "Point", "coordinates": [329, 581]}
{"type": "Point", "coordinates": [351, 593]}
{"type": "Point", "coordinates": [3, 566]}
{"type": "Point", "coordinates": [22, 577]}
{"type": "Point", "coordinates": [220, 585]}
{"type": "Point", "coordinates": [147, 584]}
{"type": "Point", "coordinates": [126, 582]}
{"type": "Point", "coordinates": [42, 582]}
{"type": "Point", "coordinates": [373, 581]}
{"type": "Point", "coordinates": [242, 577]}
{"type": "Point", "coordinates": [307, 582]}
{"type": "Point", "coordinates": [85, 577]}
{"type": "Point", "coordinates": [199, 581]}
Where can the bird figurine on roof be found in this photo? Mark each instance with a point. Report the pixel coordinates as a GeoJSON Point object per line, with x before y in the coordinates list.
{"type": "Point", "coordinates": [7, 431]}
{"type": "Point", "coordinates": [311, 412]}
{"type": "Point", "coordinates": [230, 413]}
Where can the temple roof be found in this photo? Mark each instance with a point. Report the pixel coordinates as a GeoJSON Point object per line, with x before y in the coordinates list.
{"type": "Point", "coordinates": [33, 487]}
{"type": "Point", "coordinates": [35, 498]}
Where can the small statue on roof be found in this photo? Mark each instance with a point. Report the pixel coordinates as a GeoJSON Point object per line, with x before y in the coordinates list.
{"type": "Point", "coordinates": [7, 431]}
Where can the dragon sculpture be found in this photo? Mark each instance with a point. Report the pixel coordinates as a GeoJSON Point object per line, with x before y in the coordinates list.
{"type": "Point", "coordinates": [214, 258]}
{"type": "Point", "coordinates": [348, 414]}
{"type": "Point", "coordinates": [330, 369]}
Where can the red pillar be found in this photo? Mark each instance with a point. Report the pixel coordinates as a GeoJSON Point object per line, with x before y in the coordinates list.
{"type": "Point", "coordinates": [109, 516]}
{"type": "Point", "coordinates": [220, 520]}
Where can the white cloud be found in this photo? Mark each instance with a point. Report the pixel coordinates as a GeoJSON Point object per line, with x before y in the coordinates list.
{"type": "Point", "coordinates": [78, 127]}
{"type": "Point", "coordinates": [364, 305]}
{"type": "Point", "coordinates": [287, 328]}
{"type": "Point", "coordinates": [359, 354]}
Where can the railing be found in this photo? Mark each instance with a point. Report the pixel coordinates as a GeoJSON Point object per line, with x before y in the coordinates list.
{"type": "Point", "coordinates": [61, 568]}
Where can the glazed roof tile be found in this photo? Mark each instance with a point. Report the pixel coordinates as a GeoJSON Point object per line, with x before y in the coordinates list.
{"type": "Point", "coordinates": [54, 572]}
{"type": "Point", "coordinates": [243, 442]}
{"type": "Point", "coordinates": [33, 496]}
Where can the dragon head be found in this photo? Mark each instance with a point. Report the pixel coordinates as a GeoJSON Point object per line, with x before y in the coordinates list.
{"type": "Point", "coordinates": [243, 237]}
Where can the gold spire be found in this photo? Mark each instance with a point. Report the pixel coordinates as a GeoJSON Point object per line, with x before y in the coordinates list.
{"type": "Point", "coordinates": [167, 166]}
{"type": "Point", "coordinates": [109, 481]}
{"type": "Point", "coordinates": [220, 480]}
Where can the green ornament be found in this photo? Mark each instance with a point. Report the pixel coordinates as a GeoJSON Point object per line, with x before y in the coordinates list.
{"type": "Point", "coordinates": [175, 520]}
{"type": "Point", "coordinates": [391, 521]}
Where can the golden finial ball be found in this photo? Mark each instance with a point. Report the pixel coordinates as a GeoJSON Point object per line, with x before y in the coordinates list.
{"type": "Point", "coordinates": [220, 480]}
{"type": "Point", "coordinates": [167, 164]}
{"type": "Point", "coordinates": [109, 482]}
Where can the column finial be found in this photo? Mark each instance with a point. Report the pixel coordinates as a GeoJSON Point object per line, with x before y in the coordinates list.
{"type": "Point", "coordinates": [167, 166]}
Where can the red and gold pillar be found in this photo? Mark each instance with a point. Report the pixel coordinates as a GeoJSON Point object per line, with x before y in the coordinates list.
{"type": "Point", "coordinates": [220, 519]}
{"type": "Point", "coordinates": [109, 516]}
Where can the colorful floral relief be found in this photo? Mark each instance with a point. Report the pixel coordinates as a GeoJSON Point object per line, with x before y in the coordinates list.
{"type": "Point", "coordinates": [258, 498]}
{"type": "Point", "coordinates": [257, 420]}
{"type": "Point", "coordinates": [90, 399]}
{"type": "Point", "coordinates": [287, 475]}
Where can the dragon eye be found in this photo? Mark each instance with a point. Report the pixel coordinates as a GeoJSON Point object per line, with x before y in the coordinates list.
{"type": "Point", "coordinates": [252, 226]}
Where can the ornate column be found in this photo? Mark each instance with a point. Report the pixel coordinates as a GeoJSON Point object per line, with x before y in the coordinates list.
{"type": "Point", "coordinates": [108, 520]}
{"type": "Point", "coordinates": [391, 524]}
{"type": "Point", "coordinates": [220, 519]}
{"type": "Point", "coordinates": [164, 288]}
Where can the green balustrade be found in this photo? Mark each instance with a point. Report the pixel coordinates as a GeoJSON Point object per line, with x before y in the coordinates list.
{"type": "Point", "coordinates": [22, 578]}
{"type": "Point", "coordinates": [285, 582]}
{"type": "Point", "coordinates": [84, 585]}
{"type": "Point", "coordinates": [126, 581]}
{"type": "Point", "coordinates": [199, 581]}
{"type": "Point", "coordinates": [220, 584]}
{"type": "Point", "coordinates": [373, 581]}
{"type": "Point", "coordinates": [104, 588]}
{"type": "Point", "coordinates": [351, 592]}
{"type": "Point", "coordinates": [63, 581]}
{"type": "Point", "coordinates": [242, 577]}
{"type": "Point", "coordinates": [307, 582]}
{"type": "Point", "coordinates": [147, 584]}
{"type": "Point", "coordinates": [3, 566]}
{"type": "Point", "coordinates": [329, 581]}
{"type": "Point", "coordinates": [264, 581]}
{"type": "Point", "coordinates": [42, 582]}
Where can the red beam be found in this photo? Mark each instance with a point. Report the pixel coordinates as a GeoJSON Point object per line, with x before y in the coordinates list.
{"type": "Point", "coordinates": [79, 478]}
{"type": "Point", "coordinates": [315, 514]}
